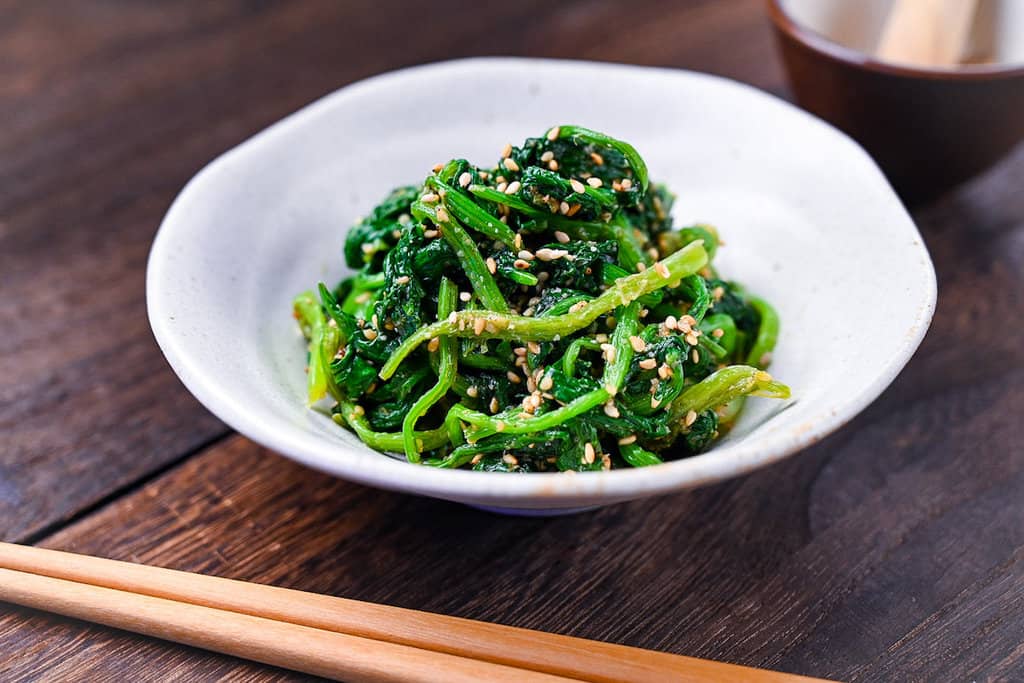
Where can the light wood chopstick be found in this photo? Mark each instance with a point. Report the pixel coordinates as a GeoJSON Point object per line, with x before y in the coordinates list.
{"type": "Point", "coordinates": [301, 648]}
{"type": "Point", "coordinates": [328, 636]}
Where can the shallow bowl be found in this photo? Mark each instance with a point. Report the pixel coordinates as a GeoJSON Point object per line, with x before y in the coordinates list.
{"type": "Point", "coordinates": [809, 223]}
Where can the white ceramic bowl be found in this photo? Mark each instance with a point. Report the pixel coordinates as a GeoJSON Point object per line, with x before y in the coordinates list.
{"type": "Point", "coordinates": [808, 220]}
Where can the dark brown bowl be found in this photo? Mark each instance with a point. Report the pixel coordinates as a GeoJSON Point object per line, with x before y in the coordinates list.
{"type": "Point", "coordinates": [929, 129]}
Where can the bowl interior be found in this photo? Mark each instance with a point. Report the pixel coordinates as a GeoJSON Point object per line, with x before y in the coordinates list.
{"type": "Point", "coordinates": [999, 29]}
{"type": "Point", "coordinates": [808, 222]}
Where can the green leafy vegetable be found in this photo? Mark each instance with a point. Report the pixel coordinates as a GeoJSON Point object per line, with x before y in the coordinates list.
{"type": "Point", "coordinates": [539, 315]}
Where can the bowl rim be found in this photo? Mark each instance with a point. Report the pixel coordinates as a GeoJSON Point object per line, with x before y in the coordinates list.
{"type": "Point", "coordinates": [551, 491]}
{"type": "Point", "coordinates": [829, 49]}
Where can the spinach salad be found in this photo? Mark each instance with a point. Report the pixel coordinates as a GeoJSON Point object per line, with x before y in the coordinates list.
{"type": "Point", "coordinates": [540, 315]}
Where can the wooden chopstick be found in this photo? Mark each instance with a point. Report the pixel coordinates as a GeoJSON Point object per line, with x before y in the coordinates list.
{"type": "Point", "coordinates": [361, 627]}
{"type": "Point", "coordinates": [301, 648]}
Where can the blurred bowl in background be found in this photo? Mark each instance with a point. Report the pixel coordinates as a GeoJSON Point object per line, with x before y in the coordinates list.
{"type": "Point", "coordinates": [928, 128]}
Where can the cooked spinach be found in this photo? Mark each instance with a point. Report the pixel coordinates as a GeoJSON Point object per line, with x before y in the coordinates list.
{"type": "Point", "coordinates": [539, 315]}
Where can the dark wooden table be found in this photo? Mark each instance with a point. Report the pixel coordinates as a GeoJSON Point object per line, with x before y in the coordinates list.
{"type": "Point", "coordinates": [894, 550]}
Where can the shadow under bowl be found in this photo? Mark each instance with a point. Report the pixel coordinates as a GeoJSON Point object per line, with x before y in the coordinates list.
{"type": "Point", "coordinates": [928, 129]}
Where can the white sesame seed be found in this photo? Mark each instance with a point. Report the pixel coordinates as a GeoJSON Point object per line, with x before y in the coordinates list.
{"type": "Point", "coordinates": [637, 343]}
{"type": "Point", "coordinates": [695, 356]}
{"type": "Point", "coordinates": [610, 410]}
{"type": "Point", "coordinates": [500, 426]}
{"type": "Point", "coordinates": [588, 453]}
{"type": "Point", "coordinates": [671, 323]}
{"type": "Point", "coordinates": [430, 234]}
{"type": "Point", "coordinates": [578, 306]}
{"type": "Point", "coordinates": [594, 181]}
{"type": "Point", "coordinates": [648, 363]}
{"type": "Point", "coordinates": [506, 150]}
{"type": "Point", "coordinates": [521, 264]}
{"type": "Point", "coordinates": [554, 133]}
{"type": "Point", "coordinates": [494, 405]}
{"type": "Point", "coordinates": [553, 165]}
{"type": "Point", "coordinates": [513, 187]}
{"type": "Point", "coordinates": [501, 187]}
{"type": "Point", "coordinates": [433, 344]}
{"type": "Point", "coordinates": [655, 403]}
{"type": "Point", "coordinates": [510, 164]}
{"type": "Point", "coordinates": [597, 158]}
{"type": "Point", "coordinates": [533, 347]}
{"type": "Point", "coordinates": [525, 255]}
{"type": "Point", "coordinates": [518, 241]}
{"type": "Point", "coordinates": [442, 214]}
{"type": "Point", "coordinates": [465, 296]}
{"type": "Point", "coordinates": [402, 279]}
{"type": "Point", "coordinates": [561, 237]}
{"type": "Point", "coordinates": [551, 254]}
{"type": "Point", "coordinates": [546, 383]}
{"type": "Point", "coordinates": [478, 326]}
{"type": "Point", "coordinates": [662, 269]}
{"type": "Point", "coordinates": [691, 339]}
{"type": "Point", "coordinates": [429, 198]}
{"type": "Point", "coordinates": [626, 440]}
{"type": "Point", "coordinates": [609, 352]}
{"type": "Point", "coordinates": [717, 333]}
{"type": "Point", "coordinates": [641, 266]}
{"type": "Point", "coordinates": [370, 333]}
{"type": "Point", "coordinates": [513, 377]}
{"type": "Point", "coordinates": [492, 265]}
{"type": "Point", "coordinates": [465, 179]}
{"type": "Point", "coordinates": [690, 418]}
{"type": "Point", "coordinates": [472, 392]}
{"type": "Point", "coordinates": [547, 156]}
{"type": "Point", "coordinates": [577, 186]}
{"type": "Point", "coordinates": [664, 371]}
{"type": "Point", "coordinates": [626, 183]}
{"type": "Point", "coordinates": [563, 208]}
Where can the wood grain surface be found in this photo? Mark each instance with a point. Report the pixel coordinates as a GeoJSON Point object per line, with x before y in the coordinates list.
{"type": "Point", "coordinates": [893, 550]}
